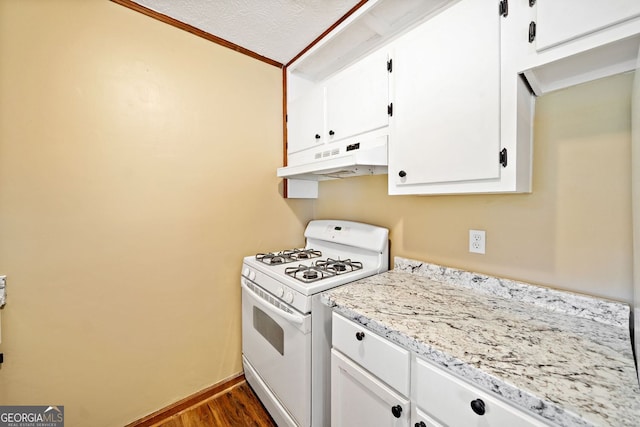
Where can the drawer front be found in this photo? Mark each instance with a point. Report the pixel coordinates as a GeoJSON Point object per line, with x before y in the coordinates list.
{"type": "Point", "coordinates": [387, 361]}
{"type": "Point", "coordinates": [448, 401]}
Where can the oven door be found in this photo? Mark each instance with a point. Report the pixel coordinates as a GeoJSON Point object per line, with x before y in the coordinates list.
{"type": "Point", "coordinates": [276, 341]}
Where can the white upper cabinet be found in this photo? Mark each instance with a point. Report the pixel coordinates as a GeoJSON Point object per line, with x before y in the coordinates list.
{"type": "Point", "coordinates": [305, 121]}
{"type": "Point", "coordinates": [561, 21]}
{"type": "Point", "coordinates": [575, 41]}
{"type": "Point", "coordinates": [348, 104]}
{"type": "Point", "coordinates": [357, 98]}
{"type": "Point", "coordinates": [447, 98]}
{"type": "Point", "coordinates": [457, 105]}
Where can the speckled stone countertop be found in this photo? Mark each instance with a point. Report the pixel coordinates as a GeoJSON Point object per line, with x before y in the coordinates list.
{"type": "Point", "coordinates": [563, 356]}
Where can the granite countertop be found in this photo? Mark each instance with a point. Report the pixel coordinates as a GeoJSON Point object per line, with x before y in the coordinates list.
{"type": "Point", "coordinates": [563, 356]}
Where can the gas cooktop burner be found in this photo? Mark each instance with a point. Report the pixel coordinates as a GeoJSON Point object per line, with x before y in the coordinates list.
{"type": "Point", "coordinates": [339, 266]}
{"type": "Point", "coordinates": [287, 256]}
{"type": "Point", "coordinates": [307, 274]}
{"type": "Point", "coordinates": [322, 269]}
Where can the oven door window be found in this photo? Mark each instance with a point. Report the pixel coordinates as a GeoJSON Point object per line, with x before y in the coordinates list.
{"type": "Point", "coordinates": [269, 329]}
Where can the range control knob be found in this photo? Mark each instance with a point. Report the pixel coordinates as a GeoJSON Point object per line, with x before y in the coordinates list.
{"type": "Point", "coordinates": [245, 272]}
{"type": "Point", "coordinates": [280, 291]}
{"type": "Point", "coordinates": [289, 297]}
{"type": "Point", "coordinates": [252, 275]}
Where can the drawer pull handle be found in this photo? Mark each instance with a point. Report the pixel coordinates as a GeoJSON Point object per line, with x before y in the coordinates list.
{"type": "Point", "coordinates": [396, 411]}
{"type": "Point", "coordinates": [478, 406]}
{"type": "Point", "coordinates": [359, 336]}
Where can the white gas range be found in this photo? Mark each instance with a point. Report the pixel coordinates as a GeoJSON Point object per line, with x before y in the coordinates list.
{"type": "Point", "coordinates": [286, 330]}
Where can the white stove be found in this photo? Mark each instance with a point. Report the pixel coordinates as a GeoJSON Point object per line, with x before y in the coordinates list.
{"type": "Point", "coordinates": [284, 323]}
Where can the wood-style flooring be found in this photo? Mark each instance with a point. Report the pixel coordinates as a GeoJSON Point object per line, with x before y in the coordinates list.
{"type": "Point", "coordinates": [234, 407]}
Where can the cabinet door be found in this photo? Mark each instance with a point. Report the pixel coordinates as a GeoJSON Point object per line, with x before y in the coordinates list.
{"type": "Point", "coordinates": [446, 118]}
{"type": "Point", "coordinates": [360, 399]}
{"type": "Point", "coordinates": [561, 21]}
{"type": "Point", "coordinates": [305, 120]}
{"type": "Point", "coordinates": [357, 98]}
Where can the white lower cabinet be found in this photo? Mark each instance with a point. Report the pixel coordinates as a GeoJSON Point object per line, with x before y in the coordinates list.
{"type": "Point", "coordinates": [360, 399]}
{"type": "Point", "coordinates": [369, 378]}
{"type": "Point", "coordinates": [375, 382]}
{"type": "Point", "coordinates": [441, 399]}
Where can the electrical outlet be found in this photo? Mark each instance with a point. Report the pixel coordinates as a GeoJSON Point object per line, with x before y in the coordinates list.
{"type": "Point", "coordinates": [476, 241]}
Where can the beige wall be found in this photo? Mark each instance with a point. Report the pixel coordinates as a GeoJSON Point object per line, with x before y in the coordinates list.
{"type": "Point", "coordinates": [573, 232]}
{"type": "Point", "coordinates": [137, 168]}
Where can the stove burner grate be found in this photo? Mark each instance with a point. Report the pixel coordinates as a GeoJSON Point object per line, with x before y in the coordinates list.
{"type": "Point", "coordinates": [322, 269]}
{"type": "Point", "coordinates": [287, 256]}
{"type": "Point", "coordinates": [339, 266]}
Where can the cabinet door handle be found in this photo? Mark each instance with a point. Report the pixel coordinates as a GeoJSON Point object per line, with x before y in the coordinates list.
{"type": "Point", "coordinates": [331, 133]}
{"type": "Point", "coordinates": [396, 411]}
{"type": "Point", "coordinates": [478, 406]}
{"type": "Point", "coordinates": [402, 174]}
{"type": "Point", "coordinates": [420, 424]}
{"type": "Point", "coordinates": [317, 136]}
{"type": "Point", "coordinates": [359, 336]}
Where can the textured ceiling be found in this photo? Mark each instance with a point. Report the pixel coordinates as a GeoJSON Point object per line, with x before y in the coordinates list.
{"type": "Point", "coordinates": [276, 29]}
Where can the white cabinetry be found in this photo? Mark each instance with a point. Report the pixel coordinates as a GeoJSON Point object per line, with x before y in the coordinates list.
{"type": "Point", "coordinates": [357, 98]}
{"type": "Point", "coordinates": [573, 41]}
{"type": "Point", "coordinates": [360, 399]}
{"type": "Point", "coordinates": [376, 382]}
{"type": "Point", "coordinates": [456, 102]}
{"type": "Point", "coordinates": [561, 21]}
{"type": "Point", "coordinates": [351, 103]}
{"type": "Point", "coordinates": [441, 399]}
{"type": "Point", "coordinates": [369, 378]}
{"type": "Point", "coordinates": [305, 120]}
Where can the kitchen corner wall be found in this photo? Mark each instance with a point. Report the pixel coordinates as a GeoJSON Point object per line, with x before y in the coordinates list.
{"type": "Point", "coordinates": [137, 168]}
{"type": "Point", "coordinates": [572, 232]}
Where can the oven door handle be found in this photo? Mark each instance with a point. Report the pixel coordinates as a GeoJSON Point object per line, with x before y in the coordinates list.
{"type": "Point", "coordinates": [293, 318]}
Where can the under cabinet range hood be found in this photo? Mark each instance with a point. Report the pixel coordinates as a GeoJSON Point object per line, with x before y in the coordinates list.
{"type": "Point", "coordinates": [340, 161]}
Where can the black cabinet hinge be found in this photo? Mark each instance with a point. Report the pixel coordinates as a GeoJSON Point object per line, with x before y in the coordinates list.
{"type": "Point", "coordinates": [503, 157]}
{"type": "Point", "coordinates": [532, 31]}
{"type": "Point", "coordinates": [503, 8]}
{"type": "Point", "coordinates": [390, 109]}
{"type": "Point", "coordinates": [390, 65]}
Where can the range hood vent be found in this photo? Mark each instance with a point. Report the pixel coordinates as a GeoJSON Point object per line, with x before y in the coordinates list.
{"type": "Point", "coordinates": [363, 161]}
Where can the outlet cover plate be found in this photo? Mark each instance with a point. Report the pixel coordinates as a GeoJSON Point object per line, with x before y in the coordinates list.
{"type": "Point", "coordinates": [477, 241]}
